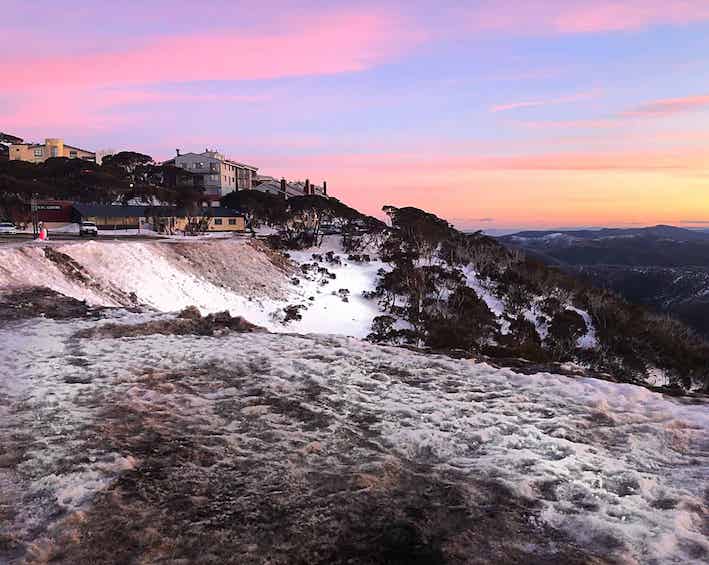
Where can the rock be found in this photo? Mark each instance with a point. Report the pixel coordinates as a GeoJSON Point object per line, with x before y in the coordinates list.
{"type": "Point", "coordinates": [190, 313]}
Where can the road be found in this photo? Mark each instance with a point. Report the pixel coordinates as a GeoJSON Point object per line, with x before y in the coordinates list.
{"type": "Point", "coordinates": [25, 237]}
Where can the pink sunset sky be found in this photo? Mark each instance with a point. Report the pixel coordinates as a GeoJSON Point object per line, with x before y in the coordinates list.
{"type": "Point", "coordinates": [493, 114]}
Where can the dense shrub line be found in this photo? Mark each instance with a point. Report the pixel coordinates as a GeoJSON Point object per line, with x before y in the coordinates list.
{"type": "Point", "coordinates": [428, 302]}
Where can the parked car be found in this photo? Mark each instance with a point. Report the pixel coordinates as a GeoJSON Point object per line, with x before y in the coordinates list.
{"type": "Point", "coordinates": [7, 228]}
{"type": "Point", "coordinates": [88, 228]}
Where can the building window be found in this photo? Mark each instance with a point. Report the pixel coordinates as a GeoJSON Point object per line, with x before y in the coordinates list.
{"type": "Point", "coordinates": [72, 153]}
{"type": "Point", "coordinates": [217, 221]}
{"type": "Point", "coordinates": [214, 177]}
{"type": "Point", "coordinates": [55, 152]}
{"type": "Point", "coordinates": [38, 152]}
{"type": "Point", "coordinates": [232, 221]}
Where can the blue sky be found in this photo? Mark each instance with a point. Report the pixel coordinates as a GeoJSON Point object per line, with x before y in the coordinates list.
{"type": "Point", "coordinates": [528, 114]}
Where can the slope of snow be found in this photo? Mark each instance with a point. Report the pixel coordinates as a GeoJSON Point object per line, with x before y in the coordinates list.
{"type": "Point", "coordinates": [620, 470]}
{"type": "Point", "coordinates": [213, 275]}
{"type": "Point", "coordinates": [328, 312]}
{"type": "Point", "coordinates": [589, 339]}
{"type": "Point", "coordinates": [27, 265]}
{"type": "Point", "coordinates": [495, 304]}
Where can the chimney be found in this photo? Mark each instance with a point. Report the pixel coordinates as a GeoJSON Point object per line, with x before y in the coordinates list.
{"type": "Point", "coordinates": [178, 152]}
{"type": "Point", "coordinates": [283, 188]}
{"type": "Point", "coordinates": [324, 187]}
{"type": "Point", "coordinates": [307, 186]}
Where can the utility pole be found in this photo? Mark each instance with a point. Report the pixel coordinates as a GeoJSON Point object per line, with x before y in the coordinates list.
{"type": "Point", "coordinates": [35, 216]}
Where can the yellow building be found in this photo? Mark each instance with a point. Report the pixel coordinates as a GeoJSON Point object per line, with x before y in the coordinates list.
{"type": "Point", "coordinates": [160, 218]}
{"type": "Point", "coordinates": [213, 220]}
{"type": "Point", "coordinates": [52, 147]}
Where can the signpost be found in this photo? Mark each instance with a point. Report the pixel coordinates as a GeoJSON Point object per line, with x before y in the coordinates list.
{"type": "Point", "coordinates": [35, 216]}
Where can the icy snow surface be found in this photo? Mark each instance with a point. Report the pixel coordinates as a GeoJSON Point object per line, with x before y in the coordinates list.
{"type": "Point", "coordinates": [620, 470]}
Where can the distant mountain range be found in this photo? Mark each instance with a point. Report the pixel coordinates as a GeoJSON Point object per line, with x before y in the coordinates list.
{"type": "Point", "coordinates": [665, 267]}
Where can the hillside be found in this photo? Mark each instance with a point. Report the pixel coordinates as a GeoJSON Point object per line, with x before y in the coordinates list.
{"type": "Point", "coordinates": [241, 276]}
{"type": "Point", "coordinates": [131, 432]}
{"type": "Point", "coordinates": [662, 267]}
{"type": "Point", "coordinates": [420, 284]}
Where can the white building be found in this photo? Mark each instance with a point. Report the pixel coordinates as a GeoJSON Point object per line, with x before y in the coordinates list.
{"type": "Point", "coordinates": [218, 175]}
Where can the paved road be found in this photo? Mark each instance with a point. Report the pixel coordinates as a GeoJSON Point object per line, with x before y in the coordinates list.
{"type": "Point", "coordinates": [24, 237]}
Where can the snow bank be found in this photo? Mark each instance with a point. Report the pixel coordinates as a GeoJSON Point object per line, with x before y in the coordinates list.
{"type": "Point", "coordinates": [619, 469]}
{"type": "Point", "coordinates": [214, 275]}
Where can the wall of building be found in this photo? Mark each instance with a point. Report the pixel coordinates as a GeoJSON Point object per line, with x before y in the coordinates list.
{"type": "Point", "coordinates": [236, 223]}
{"type": "Point", "coordinates": [54, 211]}
{"type": "Point", "coordinates": [52, 147]}
{"type": "Point", "coordinates": [227, 224]}
{"type": "Point", "coordinates": [114, 223]}
{"type": "Point", "coordinates": [220, 176]}
{"type": "Point", "coordinates": [204, 166]}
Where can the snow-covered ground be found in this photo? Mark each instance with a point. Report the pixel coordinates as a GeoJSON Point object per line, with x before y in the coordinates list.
{"type": "Point", "coordinates": [265, 447]}
{"type": "Point", "coordinates": [328, 312]}
{"type": "Point", "coordinates": [273, 448]}
{"type": "Point", "coordinates": [214, 275]}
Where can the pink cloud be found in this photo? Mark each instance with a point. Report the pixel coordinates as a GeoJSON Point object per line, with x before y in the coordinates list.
{"type": "Point", "coordinates": [658, 108]}
{"type": "Point", "coordinates": [414, 164]}
{"type": "Point", "coordinates": [91, 108]}
{"type": "Point", "coordinates": [670, 106]}
{"type": "Point", "coordinates": [551, 102]}
{"type": "Point", "coordinates": [581, 16]}
{"type": "Point", "coordinates": [573, 124]}
{"type": "Point", "coordinates": [334, 43]}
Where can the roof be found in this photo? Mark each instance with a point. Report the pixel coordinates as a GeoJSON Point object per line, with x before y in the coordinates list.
{"type": "Point", "coordinates": [205, 155]}
{"type": "Point", "coordinates": [109, 211]}
{"type": "Point", "coordinates": [215, 156]}
{"type": "Point", "coordinates": [241, 165]}
{"type": "Point", "coordinates": [221, 212]}
{"type": "Point", "coordinates": [112, 211]}
{"type": "Point", "coordinates": [79, 149]}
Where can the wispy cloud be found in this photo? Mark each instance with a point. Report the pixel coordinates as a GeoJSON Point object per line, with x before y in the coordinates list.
{"type": "Point", "coordinates": [544, 17]}
{"type": "Point", "coordinates": [88, 108]}
{"type": "Point", "coordinates": [568, 161]}
{"type": "Point", "coordinates": [600, 123]}
{"type": "Point", "coordinates": [549, 102]}
{"type": "Point", "coordinates": [670, 106]}
{"type": "Point", "coordinates": [346, 41]}
{"type": "Point", "coordinates": [654, 109]}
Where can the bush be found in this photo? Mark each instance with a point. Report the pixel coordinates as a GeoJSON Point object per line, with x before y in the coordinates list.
{"type": "Point", "coordinates": [566, 327]}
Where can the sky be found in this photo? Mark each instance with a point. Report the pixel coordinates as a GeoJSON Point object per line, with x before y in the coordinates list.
{"type": "Point", "coordinates": [494, 114]}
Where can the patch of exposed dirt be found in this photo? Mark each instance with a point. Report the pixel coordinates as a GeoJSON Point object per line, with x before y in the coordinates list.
{"type": "Point", "coordinates": [276, 257]}
{"type": "Point", "coordinates": [41, 301]}
{"type": "Point", "coordinates": [188, 322]}
{"type": "Point", "coordinates": [248, 268]}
